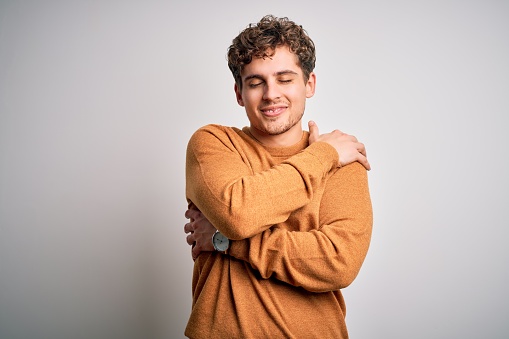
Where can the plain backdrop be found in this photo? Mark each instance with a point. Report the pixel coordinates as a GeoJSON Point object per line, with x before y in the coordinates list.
{"type": "Point", "coordinates": [99, 98]}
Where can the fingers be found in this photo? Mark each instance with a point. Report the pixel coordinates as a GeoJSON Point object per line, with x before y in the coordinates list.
{"type": "Point", "coordinates": [361, 148]}
{"type": "Point", "coordinates": [364, 162]}
{"type": "Point", "coordinates": [191, 239]}
{"type": "Point", "coordinates": [189, 228]}
{"type": "Point", "coordinates": [362, 159]}
{"type": "Point", "coordinates": [195, 252]}
{"type": "Point", "coordinates": [313, 131]}
{"type": "Point", "coordinates": [313, 127]}
{"type": "Point", "coordinates": [192, 214]}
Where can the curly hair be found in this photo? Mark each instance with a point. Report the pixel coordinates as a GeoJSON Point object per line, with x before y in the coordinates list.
{"type": "Point", "coordinates": [261, 39]}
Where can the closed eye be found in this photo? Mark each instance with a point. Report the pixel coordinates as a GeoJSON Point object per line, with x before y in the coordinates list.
{"type": "Point", "coordinates": [255, 84]}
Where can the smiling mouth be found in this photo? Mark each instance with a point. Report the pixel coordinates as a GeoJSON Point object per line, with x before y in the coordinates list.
{"type": "Point", "coordinates": [273, 111]}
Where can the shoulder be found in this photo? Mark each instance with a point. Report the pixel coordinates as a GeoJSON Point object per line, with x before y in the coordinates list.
{"type": "Point", "coordinates": [351, 175]}
{"type": "Point", "coordinates": [210, 135]}
{"type": "Point", "coordinates": [215, 130]}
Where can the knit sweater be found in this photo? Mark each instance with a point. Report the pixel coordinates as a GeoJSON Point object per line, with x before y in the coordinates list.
{"type": "Point", "coordinates": [299, 226]}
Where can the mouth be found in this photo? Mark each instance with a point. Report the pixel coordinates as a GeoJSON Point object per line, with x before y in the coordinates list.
{"type": "Point", "coordinates": [273, 111]}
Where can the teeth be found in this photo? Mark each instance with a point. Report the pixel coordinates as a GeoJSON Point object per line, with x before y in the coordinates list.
{"type": "Point", "coordinates": [272, 110]}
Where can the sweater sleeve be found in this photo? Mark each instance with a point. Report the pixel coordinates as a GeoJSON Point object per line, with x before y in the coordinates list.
{"type": "Point", "coordinates": [328, 258]}
{"type": "Point", "coordinates": [239, 202]}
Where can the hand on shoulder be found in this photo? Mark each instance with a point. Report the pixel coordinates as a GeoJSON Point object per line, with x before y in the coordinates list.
{"type": "Point", "coordinates": [348, 147]}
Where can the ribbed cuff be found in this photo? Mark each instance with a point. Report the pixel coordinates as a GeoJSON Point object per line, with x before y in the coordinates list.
{"type": "Point", "coordinates": [239, 249]}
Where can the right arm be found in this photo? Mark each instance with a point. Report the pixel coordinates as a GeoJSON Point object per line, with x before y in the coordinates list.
{"type": "Point", "coordinates": [326, 258]}
{"type": "Point", "coordinates": [240, 203]}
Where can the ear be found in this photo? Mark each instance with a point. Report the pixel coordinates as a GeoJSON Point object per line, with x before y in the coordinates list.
{"type": "Point", "coordinates": [311, 85]}
{"type": "Point", "coordinates": [238, 95]}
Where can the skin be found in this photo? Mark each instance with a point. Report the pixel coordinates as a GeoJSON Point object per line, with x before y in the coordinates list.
{"type": "Point", "coordinates": [274, 93]}
{"type": "Point", "coordinates": [200, 231]}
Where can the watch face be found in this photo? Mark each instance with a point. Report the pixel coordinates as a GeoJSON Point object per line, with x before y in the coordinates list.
{"type": "Point", "coordinates": [220, 242]}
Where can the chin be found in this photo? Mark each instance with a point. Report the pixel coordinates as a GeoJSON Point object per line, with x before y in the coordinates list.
{"type": "Point", "coordinates": [281, 128]}
{"type": "Point", "coordinates": [277, 130]}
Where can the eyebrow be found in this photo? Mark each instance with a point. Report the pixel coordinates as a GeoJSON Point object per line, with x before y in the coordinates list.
{"type": "Point", "coordinates": [258, 76]}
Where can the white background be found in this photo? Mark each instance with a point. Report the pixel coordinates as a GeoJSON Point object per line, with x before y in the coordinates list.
{"type": "Point", "coordinates": [99, 98]}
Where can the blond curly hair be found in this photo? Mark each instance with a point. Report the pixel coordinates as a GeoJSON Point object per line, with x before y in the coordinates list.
{"type": "Point", "coordinates": [261, 39]}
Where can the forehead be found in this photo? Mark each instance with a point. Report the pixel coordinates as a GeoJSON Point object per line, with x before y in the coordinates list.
{"type": "Point", "coordinates": [282, 60]}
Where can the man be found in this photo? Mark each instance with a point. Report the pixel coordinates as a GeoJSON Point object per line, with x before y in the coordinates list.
{"type": "Point", "coordinates": [280, 218]}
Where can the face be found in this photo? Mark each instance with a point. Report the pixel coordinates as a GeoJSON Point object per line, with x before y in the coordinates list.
{"type": "Point", "coordinates": [274, 95]}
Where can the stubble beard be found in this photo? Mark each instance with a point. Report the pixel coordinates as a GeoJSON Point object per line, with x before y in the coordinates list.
{"type": "Point", "coordinates": [273, 128]}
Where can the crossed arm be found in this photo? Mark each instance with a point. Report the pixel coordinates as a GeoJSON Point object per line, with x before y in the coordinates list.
{"type": "Point", "coordinates": [338, 244]}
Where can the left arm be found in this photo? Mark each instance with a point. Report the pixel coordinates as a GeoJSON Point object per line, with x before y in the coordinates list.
{"type": "Point", "coordinates": [324, 259]}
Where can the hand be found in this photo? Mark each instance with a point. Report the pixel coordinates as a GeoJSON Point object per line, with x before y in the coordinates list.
{"type": "Point", "coordinates": [347, 146]}
{"type": "Point", "coordinates": [201, 231]}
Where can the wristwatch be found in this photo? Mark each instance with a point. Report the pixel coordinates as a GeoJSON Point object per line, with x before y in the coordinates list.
{"type": "Point", "coordinates": [220, 242]}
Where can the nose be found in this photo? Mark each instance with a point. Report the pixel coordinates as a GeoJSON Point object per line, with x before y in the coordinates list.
{"type": "Point", "coordinates": [271, 91]}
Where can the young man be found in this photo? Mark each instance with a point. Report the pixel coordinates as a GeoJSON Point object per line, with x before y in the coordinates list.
{"type": "Point", "coordinates": [280, 218]}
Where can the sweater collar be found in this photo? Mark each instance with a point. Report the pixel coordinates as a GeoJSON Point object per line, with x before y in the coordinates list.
{"type": "Point", "coordinates": [285, 151]}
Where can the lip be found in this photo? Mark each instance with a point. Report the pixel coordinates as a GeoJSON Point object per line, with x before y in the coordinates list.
{"type": "Point", "coordinates": [273, 111]}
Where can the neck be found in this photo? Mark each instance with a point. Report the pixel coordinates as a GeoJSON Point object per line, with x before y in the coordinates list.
{"type": "Point", "coordinates": [288, 138]}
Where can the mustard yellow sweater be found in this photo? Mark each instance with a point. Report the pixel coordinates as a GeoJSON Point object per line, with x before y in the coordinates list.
{"type": "Point", "coordinates": [300, 229]}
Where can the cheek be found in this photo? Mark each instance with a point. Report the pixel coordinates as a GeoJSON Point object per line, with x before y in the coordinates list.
{"type": "Point", "coordinates": [250, 98]}
{"type": "Point", "coordinates": [299, 95]}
